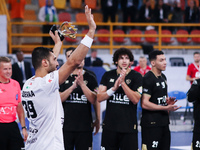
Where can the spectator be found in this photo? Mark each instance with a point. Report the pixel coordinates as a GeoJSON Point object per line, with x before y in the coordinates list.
{"type": "Point", "coordinates": [142, 68]}
{"type": "Point", "coordinates": [161, 12]}
{"type": "Point", "coordinates": [78, 123]}
{"type": "Point", "coordinates": [129, 9]}
{"type": "Point", "coordinates": [146, 12]}
{"type": "Point", "coordinates": [47, 14]}
{"type": "Point", "coordinates": [193, 71]}
{"type": "Point", "coordinates": [21, 69]}
{"type": "Point", "coordinates": [191, 14]}
{"type": "Point", "coordinates": [10, 105]}
{"type": "Point", "coordinates": [17, 8]}
{"type": "Point", "coordinates": [109, 9]}
{"type": "Point", "coordinates": [176, 15]}
{"type": "Point", "coordinates": [93, 60]}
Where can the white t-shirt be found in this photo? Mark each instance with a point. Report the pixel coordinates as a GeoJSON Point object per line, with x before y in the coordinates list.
{"type": "Point", "coordinates": [42, 104]}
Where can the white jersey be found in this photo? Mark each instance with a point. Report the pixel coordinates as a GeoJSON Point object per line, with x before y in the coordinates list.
{"type": "Point", "coordinates": [42, 104]}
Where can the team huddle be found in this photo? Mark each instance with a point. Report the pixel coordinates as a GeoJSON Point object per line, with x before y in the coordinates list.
{"type": "Point", "coordinates": [58, 102]}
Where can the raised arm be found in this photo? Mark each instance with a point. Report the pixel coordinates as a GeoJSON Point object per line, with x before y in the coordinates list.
{"type": "Point", "coordinates": [79, 54]}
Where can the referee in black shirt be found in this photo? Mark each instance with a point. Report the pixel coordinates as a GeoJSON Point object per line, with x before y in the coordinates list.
{"type": "Point", "coordinates": [193, 95]}
{"type": "Point", "coordinates": [122, 89]}
{"type": "Point", "coordinates": [155, 105]}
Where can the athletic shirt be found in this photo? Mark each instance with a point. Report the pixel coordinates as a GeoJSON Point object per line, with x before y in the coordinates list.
{"type": "Point", "coordinates": [77, 108]}
{"type": "Point", "coordinates": [142, 71]}
{"type": "Point", "coordinates": [42, 104]}
{"type": "Point", "coordinates": [192, 70]}
{"type": "Point", "coordinates": [156, 87]}
{"type": "Point", "coordinates": [193, 95]}
{"type": "Point", "coordinates": [120, 111]}
{"type": "Point", "coordinates": [10, 96]}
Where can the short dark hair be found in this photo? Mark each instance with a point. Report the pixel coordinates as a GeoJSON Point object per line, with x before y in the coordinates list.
{"type": "Point", "coordinates": [4, 59]}
{"type": "Point", "coordinates": [70, 49]}
{"type": "Point", "coordinates": [38, 54]}
{"type": "Point", "coordinates": [122, 51]}
{"type": "Point", "coordinates": [195, 53]}
{"type": "Point", "coordinates": [153, 54]}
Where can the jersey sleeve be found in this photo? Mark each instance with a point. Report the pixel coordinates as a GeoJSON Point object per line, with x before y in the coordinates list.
{"type": "Point", "coordinates": [147, 86]}
{"type": "Point", "coordinates": [104, 79]}
{"type": "Point", "coordinates": [194, 92]}
{"type": "Point", "coordinates": [137, 86]}
{"type": "Point", "coordinates": [51, 82]}
{"type": "Point", "coordinates": [93, 83]}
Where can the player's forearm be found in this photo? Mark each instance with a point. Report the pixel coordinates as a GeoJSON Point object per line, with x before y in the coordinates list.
{"type": "Point", "coordinates": [91, 96]}
{"type": "Point", "coordinates": [21, 115]}
{"type": "Point", "coordinates": [133, 96]}
{"type": "Point", "coordinates": [65, 94]}
{"type": "Point", "coordinates": [151, 106]}
{"type": "Point", "coordinates": [97, 110]}
{"type": "Point", "coordinates": [102, 96]}
{"type": "Point", "coordinates": [57, 48]}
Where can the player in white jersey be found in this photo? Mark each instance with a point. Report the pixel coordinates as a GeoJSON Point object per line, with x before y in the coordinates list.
{"type": "Point", "coordinates": [40, 95]}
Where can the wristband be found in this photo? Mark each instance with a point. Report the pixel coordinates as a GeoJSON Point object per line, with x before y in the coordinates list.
{"type": "Point", "coordinates": [24, 127]}
{"type": "Point", "coordinates": [110, 92]}
{"type": "Point", "coordinates": [87, 41]}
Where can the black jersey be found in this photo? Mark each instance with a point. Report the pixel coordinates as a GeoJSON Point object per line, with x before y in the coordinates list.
{"type": "Point", "coordinates": [77, 109]}
{"type": "Point", "coordinates": [156, 87]}
{"type": "Point", "coordinates": [120, 111]}
{"type": "Point", "coordinates": [193, 95]}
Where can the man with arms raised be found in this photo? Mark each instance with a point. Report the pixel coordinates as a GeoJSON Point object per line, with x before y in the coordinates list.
{"type": "Point", "coordinates": [40, 94]}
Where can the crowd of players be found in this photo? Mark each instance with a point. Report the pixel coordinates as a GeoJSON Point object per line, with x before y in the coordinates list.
{"type": "Point", "coordinates": [57, 126]}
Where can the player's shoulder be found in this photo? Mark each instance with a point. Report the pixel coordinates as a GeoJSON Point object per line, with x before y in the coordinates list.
{"type": "Point", "coordinates": [14, 82]}
{"type": "Point", "coordinates": [135, 73]}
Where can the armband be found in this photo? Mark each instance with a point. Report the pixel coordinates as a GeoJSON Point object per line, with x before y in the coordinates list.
{"type": "Point", "coordinates": [87, 41]}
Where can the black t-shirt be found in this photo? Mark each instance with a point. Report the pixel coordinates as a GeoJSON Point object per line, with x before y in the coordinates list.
{"type": "Point", "coordinates": [193, 95]}
{"type": "Point", "coordinates": [120, 111]}
{"type": "Point", "coordinates": [77, 109]}
{"type": "Point", "coordinates": [156, 87]}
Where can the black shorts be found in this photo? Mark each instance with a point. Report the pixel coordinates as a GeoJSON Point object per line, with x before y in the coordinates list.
{"type": "Point", "coordinates": [10, 137]}
{"type": "Point", "coordinates": [79, 140]}
{"type": "Point", "coordinates": [114, 141]}
{"type": "Point", "coordinates": [196, 141]}
{"type": "Point", "coordinates": [156, 138]}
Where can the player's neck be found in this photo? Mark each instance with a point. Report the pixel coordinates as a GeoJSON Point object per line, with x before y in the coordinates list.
{"type": "Point", "coordinates": [156, 71]}
{"type": "Point", "coordinates": [40, 73]}
{"type": "Point", "coordinates": [143, 67]}
{"type": "Point", "coordinates": [120, 69]}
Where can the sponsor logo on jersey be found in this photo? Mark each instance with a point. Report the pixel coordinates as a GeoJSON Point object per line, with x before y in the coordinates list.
{"type": "Point", "coordinates": [86, 82]}
{"type": "Point", "coordinates": [128, 81]}
{"type": "Point", "coordinates": [157, 84]}
{"type": "Point", "coordinates": [76, 98]}
{"type": "Point", "coordinates": [28, 94]}
{"type": "Point", "coordinates": [17, 96]}
{"type": "Point", "coordinates": [145, 90]}
{"type": "Point", "coordinates": [120, 99]}
{"type": "Point", "coordinates": [162, 100]}
{"type": "Point", "coordinates": [112, 80]}
{"type": "Point", "coordinates": [49, 80]}
{"type": "Point", "coordinates": [2, 90]}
